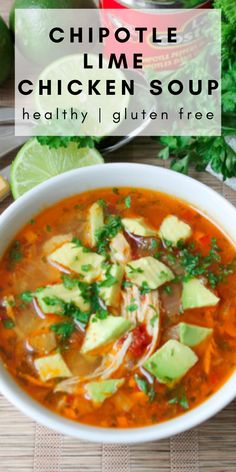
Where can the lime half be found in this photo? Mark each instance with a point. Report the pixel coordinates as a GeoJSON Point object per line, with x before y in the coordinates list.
{"type": "Point", "coordinates": [35, 164]}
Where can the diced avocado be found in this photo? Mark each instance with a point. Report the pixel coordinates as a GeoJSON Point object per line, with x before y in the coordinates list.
{"type": "Point", "coordinates": [174, 230]}
{"type": "Point", "coordinates": [111, 285]}
{"type": "Point", "coordinates": [171, 362]}
{"type": "Point", "coordinates": [138, 226]}
{"type": "Point", "coordinates": [96, 221]}
{"type": "Point", "coordinates": [196, 295]}
{"type": "Point", "coordinates": [100, 332]}
{"type": "Point", "coordinates": [192, 335]}
{"type": "Point", "coordinates": [50, 367]}
{"type": "Point", "coordinates": [59, 291]}
{"type": "Point", "coordinates": [78, 259]}
{"type": "Point", "coordinates": [101, 390]}
{"type": "Point", "coordinates": [120, 249]}
{"type": "Point", "coordinates": [148, 270]}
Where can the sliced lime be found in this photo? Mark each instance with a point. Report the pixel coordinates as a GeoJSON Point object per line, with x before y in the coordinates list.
{"type": "Point", "coordinates": [98, 107]}
{"type": "Point", "coordinates": [35, 164]}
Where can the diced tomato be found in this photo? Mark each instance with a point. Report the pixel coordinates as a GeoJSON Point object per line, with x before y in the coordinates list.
{"type": "Point", "coordinates": [140, 342]}
{"type": "Point", "coordinates": [205, 240]}
{"type": "Point", "coordinates": [70, 398]}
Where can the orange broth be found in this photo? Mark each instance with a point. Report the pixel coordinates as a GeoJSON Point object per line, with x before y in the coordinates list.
{"type": "Point", "coordinates": [24, 267]}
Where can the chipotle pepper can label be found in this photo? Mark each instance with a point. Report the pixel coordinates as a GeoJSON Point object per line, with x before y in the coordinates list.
{"type": "Point", "coordinates": [127, 14]}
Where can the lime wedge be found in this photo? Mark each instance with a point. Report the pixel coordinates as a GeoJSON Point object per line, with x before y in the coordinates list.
{"type": "Point", "coordinates": [72, 67]}
{"type": "Point", "coordinates": [35, 164]}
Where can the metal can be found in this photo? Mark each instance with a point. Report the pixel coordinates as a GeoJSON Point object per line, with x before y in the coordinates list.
{"type": "Point", "coordinates": [155, 4]}
{"type": "Point", "coordinates": [133, 12]}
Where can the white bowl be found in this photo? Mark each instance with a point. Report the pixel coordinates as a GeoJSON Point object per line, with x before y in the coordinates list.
{"type": "Point", "coordinates": [116, 175]}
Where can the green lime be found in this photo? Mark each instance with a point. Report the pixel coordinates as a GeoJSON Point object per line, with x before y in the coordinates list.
{"type": "Point", "coordinates": [40, 4]}
{"type": "Point", "coordinates": [6, 51]}
{"type": "Point", "coordinates": [35, 164]}
{"type": "Point", "coordinates": [70, 67]}
{"type": "Point", "coordinates": [31, 30]}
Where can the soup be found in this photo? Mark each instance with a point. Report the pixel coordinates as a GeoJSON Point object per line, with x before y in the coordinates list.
{"type": "Point", "coordinates": [118, 308]}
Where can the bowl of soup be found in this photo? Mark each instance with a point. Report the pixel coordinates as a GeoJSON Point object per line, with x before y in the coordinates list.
{"type": "Point", "coordinates": [117, 303]}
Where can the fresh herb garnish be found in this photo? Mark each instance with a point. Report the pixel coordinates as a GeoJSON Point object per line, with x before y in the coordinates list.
{"type": "Point", "coordinates": [8, 323]}
{"type": "Point", "coordinates": [101, 203]}
{"type": "Point", "coordinates": [135, 270]}
{"type": "Point", "coordinates": [86, 267]}
{"type": "Point", "coordinates": [132, 307]}
{"type": "Point", "coordinates": [179, 398]}
{"type": "Point", "coordinates": [144, 288]}
{"type": "Point", "coordinates": [68, 282]}
{"type": "Point", "coordinates": [55, 142]}
{"type": "Point", "coordinates": [127, 284]}
{"type": "Point", "coordinates": [27, 296]}
{"type": "Point", "coordinates": [168, 289]}
{"type": "Point", "coordinates": [145, 387]}
{"type": "Point", "coordinates": [15, 252]}
{"type": "Point", "coordinates": [63, 329]}
{"type": "Point", "coordinates": [128, 201]}
{"type": "Point", "coordinates": [108, 231]}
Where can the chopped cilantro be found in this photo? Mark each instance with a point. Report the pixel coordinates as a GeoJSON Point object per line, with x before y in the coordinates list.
{"type": "Point", "coordinates": [86, 267]}
{"type": "Point", "coordinates": [168, 289]}
{"type": "Point", "coordinates": [154, 244]}
{"type": "Point", "coordinates": [107, 232]}
{"type": "Point", "coordinates": [15, 253]}
{"type": "Point", "coordinates": [69, 282]}
{"type": "Point", "coordinates": [76, 241]}
{"type": "Point", "coordinates": [145, 387]}
{"type": "Point", "coordinates": [132, 307]}
{"type": "Point", "coordinates": [135, 270]}
{"type": "Point", "coordinates": [101, 203]}
{"type": "Point", "coordinates": [178, 396]}
{"type": "Point", "coordinates": [144, 288]}
{"type": "Point", "coordinates": [153, 319]}
{"type": "Point", "coordinates": [127, 284]}
{"type": "Point", "coordinates": [128, 201]}
{"type": "Point", "coordinates": [8, 323]}
{"type": "Point", "coordinates": [27, 296]}
{"type": "Point", "coordinates": [63, 329]}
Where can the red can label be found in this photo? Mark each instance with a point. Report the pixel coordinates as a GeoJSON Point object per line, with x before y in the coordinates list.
{"type": "Point", "coordinates": [164, 57]}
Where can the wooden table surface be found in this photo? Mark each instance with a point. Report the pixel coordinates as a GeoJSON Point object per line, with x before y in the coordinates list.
{"type": "Point", "coordinates": [217, 437]}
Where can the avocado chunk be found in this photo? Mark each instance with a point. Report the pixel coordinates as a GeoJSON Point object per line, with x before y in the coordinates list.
{"type": "Point", "coordinates": [171, 362]}
{"type": "Point", "coordinates": [80, 260]}
{"type": "Point", "coordinates": [96, 221]}
{"type": "Point", "coordinates": [172, 229]}
{"type": "Point", "coordinates": [100, 332]}
{"type": "Point", "coordinates": [148, 270]}
{"type": "Point", "coordinates": [59, 291]}
{"type": "Point", "coordinates": [196, 295]}
{"type": "Point", "coordinates": [110, 287]}
{"type": "Point", "coordinates": [192, 335]}
{"type": "Point", "coordinates": [103, 389]}
{"type": "Point", "coordinates": [50, 367]}
{"type": "Point", "coordinates": [138, 226]}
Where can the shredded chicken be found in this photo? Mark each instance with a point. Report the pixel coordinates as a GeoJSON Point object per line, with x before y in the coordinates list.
{"type": "Point", "coordinates": [109, 365]}
{"type": "Point", "coordinates": [120, 249]}
{"type": "Point", "coordinates": [152, 320]}
{"type": "Point", "coordinates": [131, 296]}
{"type": "Point", "coordinates": [56, 241]}
{"type": "Point", "coordinates": [147, 312]}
